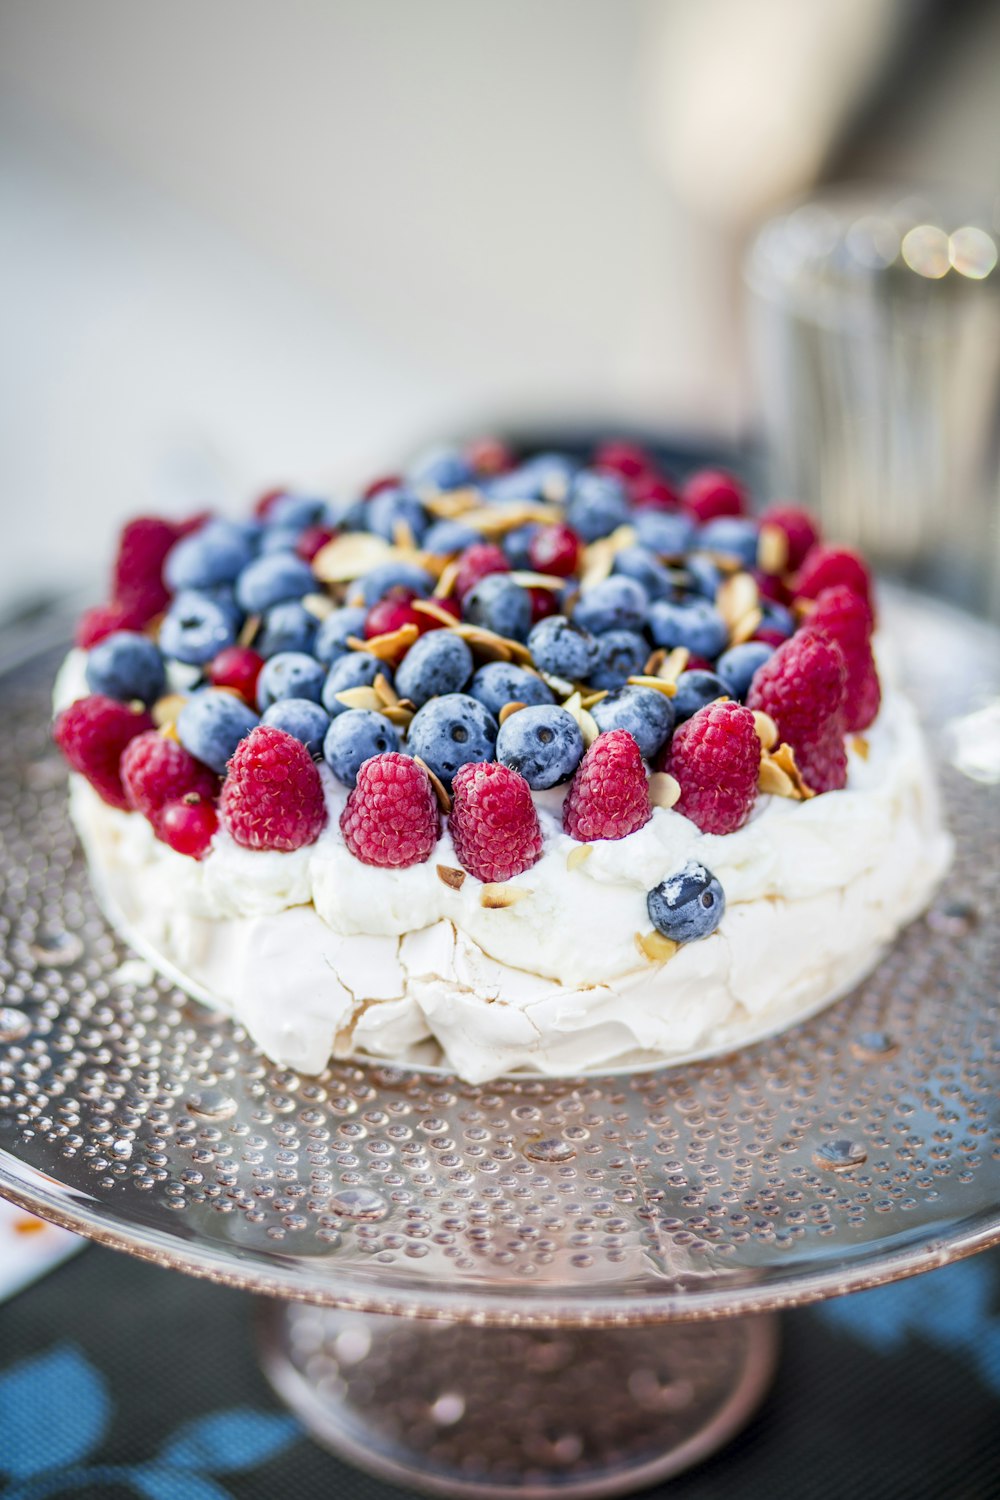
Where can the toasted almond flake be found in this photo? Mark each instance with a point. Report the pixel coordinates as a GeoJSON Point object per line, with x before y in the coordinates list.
{"type": "Point", "coordinates": [664, 790]}
{"type": "Point", "coordinates": [561, 686]}
{"type": "Point", "coordinates": [736, 597]}
{"type": "Point", "coordinates": [576, 856]}
{"type": "Point", "coordinates": [450, 876]}
{"type": "Point", "coordinates": [589, 699]}
{"type": "Point", "coordinates": [450, 504]}
{"type": "Point", "coordinates": [747, 628]}
{"type": "Point", "coordinates": [440, 792]}
{"type": "Point", "coordinates": [446, 581]}
{"type": "Point", "coordinates": [435, 610]}
{"type": "Point", "coordinates": [767, 729]}
{"type": "Point", "coordinates": [350, 555]}
{"type": "Point", "coordinates": [317, 605]}
{"type": "Point", "coordinates": [251, 625]}
{"type": "Point", "coordinates": [497, 896]}
{"type": "Point", "coordinates": [674, 664]}
{"type": "Point", "coordinates": [497, 519]}
{"type": "Point", "coordinates": [726, 562]}
{"type": "Point", "coordinates": [860, 745]}
{"type": "Point", "coordinates": [507, 710]}
{"type": "Point", "coordinates": [599, 556]}
{"type": "Point", "coordinates": [654, 661]}
{"type": "Point", "coordinates": [772, 550]}
{"type": "Point", "coordinates": [361, 697]}
{"type": "Point", "coordinates": [386, 647]}
{"type": "Point", "coordinates": [784, 757]}
{"type": "Point", "coordinates": [166, 710]}
{"type": "Point", "coordinates": [772, 779]}
{"type": "Point", "coordinates": [384, 690]}
{"type": "Point", "coordinates": [402, 535]}
{"type": "Point", "coordinates": [495, 647]}
{"type": "Point", "coordinates": [536, 580]}
{"type": "Point", "coordinates": [654, 946]}
{"type": "Point", "coordinates": [780, 776]}
{"type": "Point", "coordinates": [802, 608]}
{"type": "Point", "coordinates": [398, 715]}
{"type": "Point", "coordinates": [169, 732]}
{"type": "Point", "coordinates": [586, 721]}
{"type": "Point", "coordinates": [658, 684]}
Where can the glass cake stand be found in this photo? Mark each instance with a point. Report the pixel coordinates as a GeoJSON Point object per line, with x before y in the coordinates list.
{"type": "Point", "coordinates": [554, 1287]}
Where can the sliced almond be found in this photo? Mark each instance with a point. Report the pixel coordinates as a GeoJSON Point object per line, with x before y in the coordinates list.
{"type": "Point", "coordinates": [747, 628]}
{"type": "Point", "coordinates": [664, 791]}
{"type": "Point", "coordinates": [658, 684]}
{"type": "Point", "coordinates": [654, 662]}
{"type": "Point", "coordinates": [318, 605]}
{"type": "Point", "coordinates": [169, 732]}
{"type": "Point", "coordinates": [576, 856]}
{"type": "Point", "coordinates": [402, 535]}
{"type": "Point", "coordinates": [385, 692]}
{"type": "Point", "coordinates": [450, 876]}
{"type": "Point", "coordinates": [561, 686]}
{"type": "Point", "coordinates": [494, 647]}
{"type": "Point", "coordinates": [497, 896]}
{"type": "Point", "coordinates": [673, 665]}
{"type": "Point", "coordinates": [386, 647]}
{"type": "Point", "coordinates": [449, 505]}
{"type": "Point", "coordinates": [767, 729]}
{"type": "Point", "coordinates": [654, 946]}
{"type": "Point", "coordinates": [859, 745]}
{"type": "Point", "coordinates": [784, 757]}
{"type": "Point", "coordinates": [507, 710]}
{"type": "Point", "coordinates": [802, 608]}
{"type": "Point", "coordinates": [350, 555]}
{"type": "Point", "coordinates": [435, 610]}
{"type": "Point", "coordinates": [586, 721]}
{"type": "Point", "coordinates": [361, 697]}
{"type": "Point", "coordinates": [736, 597]}
{"type": "Point", "coordinates": [251, 627]}
{"type": "Point", "coordinates": [398, 715]}
{"type": "Point", "coordinates": [440, 791]}
{"type": "Point", "coordinates": [166, 710]}
{"type": "Point", "coordinates": [781, 777]}
{"type": "Point", "coordinates": [507, 515]}
{"type": "Point", "coordinates": [599, 556]}
{"type": "Point", "coordinates": [589, 699]}
{"type": "Point", "coordinates": [446, 581]}
{"type": "Point", "coordinates": [772, 550]}
{"type": "Point", "coordinates": [537, 580]}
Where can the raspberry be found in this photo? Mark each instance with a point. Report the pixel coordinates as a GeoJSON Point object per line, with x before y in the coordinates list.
{"type": "Point", "coordinates": [803, 687]}
{"type": "Point", "coordinates": [712, 492]}
{"type": "Point", "coordinates": [156, 770]}
{"type": "Point", "coordinates": [608, 797]}
{"type": "Point", "coordinates": [489, 455]}
{"type": "Point", "coordinates": [772, 586]}
{"type": "Point", "coordinates": [313, 540]}
{"type": "Point", "coordinates": [544, 602]}
{"type": "Point", "coordinates": [626, 459]}
{"type": "Point", "coordinates": [770, 636]}
{"type": "Point", "coordinates": [555, 550]}
{"type": "Point", "coordinates": [104, 619]}
{"type": "Point", "coordinates": [493, 822]}
{"type": "Point", "coordinates": [264, 503]}
{"type": "Point", "coordinates": [188, 825]}
{"type": "Point", "coordinates": [137, 576]}
{"type": "Point", "coordinates": [715, 757]}
{"type": "Point", "coordinates": [478, 560]}
{"type": "Point", "coordinates": [800, 532]}
{"type": "Point", "coordinates": [826, 567]}
{"type": "Point", "coordinates": [391, 817]}
{"type": "Point", "coordinates": [383, 482]}
{"type": "Point", "coordinates": [92, 734]}
{"type": "Point", "coordinates": [237, 667]}
{"type": "Point", "coordinates": [272, 797]}
{"type": "Point", "coordinates": [650, 492]}
{"type": "Point", "coordinates": [846, 618]}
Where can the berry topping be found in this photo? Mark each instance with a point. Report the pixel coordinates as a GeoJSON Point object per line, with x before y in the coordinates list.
{"type": "Point", "coordinates": [211, 725]}
{"type": "Point", "coordinates": [392, 613]}
{"type": "Point", "coordinates": [331, 637]}
{"type": "Point", "coordinates": [650, 492]}
{"type": "Point", "coordinates": [597, 505]}
{"type": "Point", "coordinates": [799, 532]}
{"type": "Point", "coordinates": [312, 540]}
{"type": "Point", "coordinates": [477, 562]}
{"type": "Point", "coordinates": [450, 731]}
{"type": "Point", "coordinates": [621, 655]}
{"type": "Point", "coordinates": [126, 666]}
{"type": "Point", "coordinates": [197, 627]}
{"type": "Point", "coordinates": [803, 687]}
{"type": "Point", "coordinates": [499, 604]}
{"type": "Point", "coordinates": [696, 688]}
{"type": "Point", "coordinates": [493, 822]}
{"type": "Point", "coordinates": [688, 905]}
{"type": "Point", "coordinates": [440, 662]}
{"type": "Point", "coordinates": [608, 797]}
{"type": "Point", "coordinates": [826, 567]}
{"type": "Point", "coordinates": [544, 602]}
{"type": "Point", "coordinates": [137, 575]}
{"type": "Point", "coordinates": [92, 733]}
{"type": "Point", "coordinates": [710, 493]}
{"type": "Point", "coordinates": [694, 623]}
{"type": "Point", "coordinates": [648, 716]}
{"type": "Point", "coordinates": [355, 669]}
{"type": "Point", "coordinates": [555, 550]}
{"type": "Point", "coordinates": [237, 667]}
{"type": "Point", "coordinates": [391, 817]}
{"type": "Point", "coordinates": [187, 825]}
{"type": "Point", "coordinates": [734, 537]}
{"type": "Point", "coordinates": [715, 758]}
{"type": "Point", "coordinates": [626, 459]}
{"type": "Point", "coordinates": [290, 674]}
{"type": "Point", "coordinates": [489, 455]}
{"type": "Point", "coordinates": [354, 738]}
{"type": "Point", "coordinates": [212, 555]}
{"type": "Point", "coordinates": [156, 770]}
{"type": "Point", "coordinates": [102, 620]}
{"type": "Point", "coordinates": [616, 603]}
{"type": "Point", "coordinates": [564, 648]}
{"type": "Point", "coordinates": [272, 797]}
{"type": "Point", "coordinates": [303, 719]}
{"type": "Point", "coordinates": [737, 666]}
{"type": "Point", "coordinates": [499, 683]}
{"type": "Point", "coordinates": [271, 579]}
{"type": "Point", "coordinates": [543, 744]}
{"type": "Point", "coordinates": [845, 617]}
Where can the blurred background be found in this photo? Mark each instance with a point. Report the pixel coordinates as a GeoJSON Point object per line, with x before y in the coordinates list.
{"type": "Point", "coordinates": [247, 244]}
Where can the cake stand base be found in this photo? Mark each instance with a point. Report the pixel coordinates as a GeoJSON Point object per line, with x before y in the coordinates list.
{"type": "Point", "coordinates": [451, 1409]}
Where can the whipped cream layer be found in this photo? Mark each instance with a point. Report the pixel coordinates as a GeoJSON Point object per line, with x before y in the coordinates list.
{"type": "Point", "coordinates": [319, 955]}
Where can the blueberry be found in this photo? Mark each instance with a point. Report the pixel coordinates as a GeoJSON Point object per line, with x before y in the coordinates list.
{"type": "Point", "coordinates": [354, 738]}
{"type": "Point", "coordinates": [211, 725]}
{"type": "Point", "coordinates": [646, 714]}
{"type": "Point", "coordinates": [731, 536]}
{"type": "Point", "coordinates": [517, 544]}
{"type": "Point", "coordinates": [278, 539]}
{"type": "Point", "coordinates": [616, 603]}
{"type": "Point", "coordinates": [544, 744]}
{"type": "Point", "coordinates": [126, 665]}
{"type": "Point", "coordinates": [331, 637]}
{"type": "Point", "coordinates": [356, 669]}
{"type": "Point", "coordinates": [704, 576]}
{"type": "Point", "coordinates": [290, 674]}
{"type": "Point", "coordinates": [346, 515]}
{"type": "Point", "coordinates": [438, 662]}
{"type": "Point", "coordinates": [597, 505]}
{"type": "Point", "coordinates": [499, 604]}
{"type": "Point", "coordinates": [196, 628]}
{"type": "Point", "coordinates": [501, 682]}
{"type": "Point", "coordinates": [271, 580]}
{"type": "Point", "coordinates": [693, 623]}
{"type": "Point", "coordinates": [687, 905]}
{"type": "Point", "coordinates": [296, 512]}
{"type": "Point", "coordinates": [694, 690]}
{"type": "Point", "coordinates": [440, 469]}
{"type": "Point", "coordinates": [547, 476]}
{"type": "Point", "coordinates": [393, 508]}
{"type": "Point", "coordinates": [447, 537]}
{"type": "Point", "coordinates": [623, 653]}
{"type": "Point", "coordinates": [564, 648]}
{"type": "Point", "coordinates": [737, 666]}
{"type": "Point", "coordinates": [217, 553]}
{"type": "Point", "coordinates": [777, 617]}
{"type": "Point", "coordinates": [645, 567]}
{"type": "Point", "coordinates": [394, 575]}
{"type": "Point", "coordinates": [302, 719]}
{"type": "Point", "coordinates": [450, 731]}
{"type": "Point", "coordinates": [668, 534]}
{"type": "Point", "coordinates": [287, 627]}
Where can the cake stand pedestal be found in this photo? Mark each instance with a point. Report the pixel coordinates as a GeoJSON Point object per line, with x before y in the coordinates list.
{"type": "Point", "coordinates": [550, 1286]}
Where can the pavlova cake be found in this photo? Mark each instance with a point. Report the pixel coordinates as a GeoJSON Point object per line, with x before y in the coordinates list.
{"type": "Point", "coordinates": [503, 765]}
